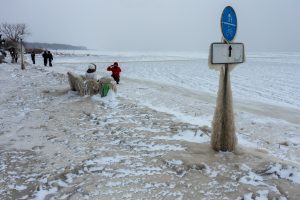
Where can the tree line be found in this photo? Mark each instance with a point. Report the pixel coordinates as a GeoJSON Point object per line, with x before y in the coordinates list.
{"type": "Point", "coordinates": [12, 37]}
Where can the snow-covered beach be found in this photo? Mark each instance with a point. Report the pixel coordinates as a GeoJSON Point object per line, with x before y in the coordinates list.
{"type": "Point", "coordinates": [151, 139]}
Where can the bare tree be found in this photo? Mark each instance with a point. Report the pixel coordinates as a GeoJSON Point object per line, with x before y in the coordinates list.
{"type": "Point", "coordinates": [14, 32]}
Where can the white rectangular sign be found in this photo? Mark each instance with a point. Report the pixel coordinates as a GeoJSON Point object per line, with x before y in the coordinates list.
{"type": "Point", "coordinates": [223, 53]}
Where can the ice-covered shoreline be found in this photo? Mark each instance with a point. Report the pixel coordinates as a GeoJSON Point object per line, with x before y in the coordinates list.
{"type": "Point", "coordinates": [138, 143]}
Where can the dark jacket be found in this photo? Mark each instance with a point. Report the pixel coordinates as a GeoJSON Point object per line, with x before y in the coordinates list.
{"type": "Point", "coordinates": [45, 55]}
{"type": "Point", "coordinates": [50, 56]}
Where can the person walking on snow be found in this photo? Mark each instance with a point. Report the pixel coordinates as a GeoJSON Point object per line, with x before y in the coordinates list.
{"type": "Point", "coordinates": [116, 70]}
{"type": "Point", "coordinates": [50, 57]}
{"type": "Point", "coordinates": [45, 56]}
{"type": "Point", "coordinates": [33, 57]}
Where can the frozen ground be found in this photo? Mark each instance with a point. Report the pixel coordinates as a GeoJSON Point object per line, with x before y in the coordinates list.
{"type": "Point", "coordinates": [151, 139]}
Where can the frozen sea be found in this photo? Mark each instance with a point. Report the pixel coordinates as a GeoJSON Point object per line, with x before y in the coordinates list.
{"type": "Point", "coordinates": [271, 78]}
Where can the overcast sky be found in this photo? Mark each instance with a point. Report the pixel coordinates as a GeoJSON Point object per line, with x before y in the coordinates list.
{"type": "Point", "coordinates": [156, 25]}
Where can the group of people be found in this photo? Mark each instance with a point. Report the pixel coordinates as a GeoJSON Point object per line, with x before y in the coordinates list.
{"type": "Point", "coordinates": [90, 73]}
{"type": "Point", "coordinates": [47, 55]}
{"type": "Point", "coordinates": [115, 69]}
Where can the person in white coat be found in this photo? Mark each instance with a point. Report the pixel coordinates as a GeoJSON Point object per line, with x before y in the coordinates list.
{"type": "Point", "coordinates": [91, 72]}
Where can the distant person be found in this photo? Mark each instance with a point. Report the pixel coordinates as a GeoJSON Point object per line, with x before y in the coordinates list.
{"type": "Point", "coordinates": [91, 72]}
{"type": "Point", "coordinates": [33, 57]}
{"type": "Point", "coordinates": [45, 56]}
{"type": "Point", "coordinates": [116, 70]}
{"type": "Point", "coordinates": [50, 57]}
{"type": "Point", "coordinates": [14, 55]}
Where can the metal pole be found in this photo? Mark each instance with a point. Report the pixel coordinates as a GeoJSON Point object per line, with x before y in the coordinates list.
{"type": "Point", "coordinates": [22, 61]}
{"type": "Point", "coordinates": [224, 133]}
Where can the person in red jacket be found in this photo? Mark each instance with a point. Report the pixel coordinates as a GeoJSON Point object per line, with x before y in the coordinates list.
{"type": "Point", "coordinates": [116, 70]}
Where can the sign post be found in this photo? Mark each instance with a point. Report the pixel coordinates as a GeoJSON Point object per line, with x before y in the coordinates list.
{"type": "Point", "coordinates": [227, 53]}
{"type": "Point", "coordinates": [228, 23]}
{"type": "Point", "coordinates": [223, 129]}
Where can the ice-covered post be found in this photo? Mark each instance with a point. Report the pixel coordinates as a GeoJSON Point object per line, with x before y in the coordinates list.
{"type": "Point", "coordinates": [222, 54]}
{"type": "Point", "coordinates": [22, 60]}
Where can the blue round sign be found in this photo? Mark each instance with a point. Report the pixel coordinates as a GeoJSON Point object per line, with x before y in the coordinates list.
{"type": "Point", "coordinates": [228, 23]}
